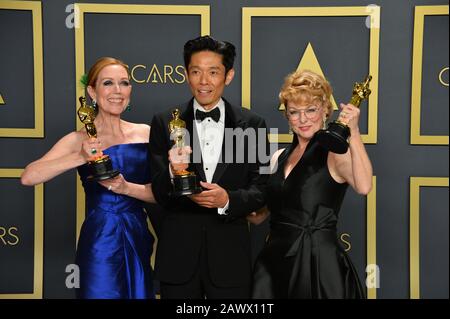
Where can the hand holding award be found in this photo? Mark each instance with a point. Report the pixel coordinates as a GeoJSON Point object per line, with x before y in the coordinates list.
{"type": "Point", "coordinates": [184, 181]}
{"type": "Point", "coordinates": [99, 164]}
{"type": "Point", "coordinates": [335, 136]}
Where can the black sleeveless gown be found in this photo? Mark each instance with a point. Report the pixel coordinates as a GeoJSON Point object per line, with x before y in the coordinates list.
{"type": "Point", "coordinates": [302, 257]}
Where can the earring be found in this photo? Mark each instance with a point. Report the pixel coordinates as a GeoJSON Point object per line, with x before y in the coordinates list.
{"type": "Point", "coordinates": [324, 126]}
{"type": "Point", "coordinates": [128, 108]}
{"type": "Point", "coordinates": [94, 105]}
{"type": "Point", "coordinates": [290, 130]}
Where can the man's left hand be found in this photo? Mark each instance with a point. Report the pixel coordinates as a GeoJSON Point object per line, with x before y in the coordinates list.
{"type": "Point", "coordinates": [213, 196]}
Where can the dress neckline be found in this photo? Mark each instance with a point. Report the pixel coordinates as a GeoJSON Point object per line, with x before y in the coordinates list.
{"type": "Point", "coordinates": [285, 177]}
{"type": "Point", "coordinates": [124, 144]}
{"type": "Point", "coordinates": [289, 150]}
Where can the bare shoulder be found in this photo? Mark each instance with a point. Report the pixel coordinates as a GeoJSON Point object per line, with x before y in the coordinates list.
{"type": "Point", "coordinates": [143, 131]}
{"type": "Point", "coordinates": [139, 132]}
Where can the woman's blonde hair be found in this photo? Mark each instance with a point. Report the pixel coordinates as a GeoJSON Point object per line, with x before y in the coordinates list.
{"type": "Point", "coordinates": [305, 86]}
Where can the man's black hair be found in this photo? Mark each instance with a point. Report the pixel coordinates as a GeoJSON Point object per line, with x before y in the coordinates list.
{"type": "Point", "coordinates": [208, 43]}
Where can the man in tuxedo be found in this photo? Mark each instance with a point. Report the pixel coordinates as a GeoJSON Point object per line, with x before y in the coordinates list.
{"type": "Point", "coordinates": [204, 241]}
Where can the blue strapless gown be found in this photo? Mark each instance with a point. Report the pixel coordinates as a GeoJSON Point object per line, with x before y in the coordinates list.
{"type": "Point", "coordinates": [115, 244]}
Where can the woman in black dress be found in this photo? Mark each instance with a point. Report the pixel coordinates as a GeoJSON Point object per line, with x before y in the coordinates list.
{"type": "Point", "coordinates": [302, 257]}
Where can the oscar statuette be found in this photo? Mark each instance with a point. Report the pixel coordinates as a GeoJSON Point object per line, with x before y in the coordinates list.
{"type": "Point", "coordinates": [100, 165]}
{"type": "Point", "coordinates": [184, 182]}
{"type": "Point", "coordinates": [335, 136]}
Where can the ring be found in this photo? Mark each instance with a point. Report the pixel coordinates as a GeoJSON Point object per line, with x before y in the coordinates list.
{"type": "Point", "coordinates": [343, 114]}
{"type": "Point", "coordinates": [109, 187]}
{"type": "Point", "coordinates": [93, 151]}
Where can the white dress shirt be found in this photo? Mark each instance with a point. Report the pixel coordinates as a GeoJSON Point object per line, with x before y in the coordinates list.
{"type": "Point", "coordinates": [210, 136]}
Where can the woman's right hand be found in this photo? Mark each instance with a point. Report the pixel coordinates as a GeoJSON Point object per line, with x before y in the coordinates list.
{"type": "Point", "coordinates": [259, 216]}
{"type": "Point", "coordinates": [91, 149]}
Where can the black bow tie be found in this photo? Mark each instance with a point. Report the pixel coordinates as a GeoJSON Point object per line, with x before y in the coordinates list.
{"type": "Point", "coordinates": [214, 114]}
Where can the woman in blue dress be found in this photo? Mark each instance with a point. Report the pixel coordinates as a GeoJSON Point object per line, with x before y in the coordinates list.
{"type": "Point", "coordinates": [115, 245]}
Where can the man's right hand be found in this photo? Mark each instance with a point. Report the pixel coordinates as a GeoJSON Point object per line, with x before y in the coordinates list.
{"type": "Point", "coordinates": [179, 158]}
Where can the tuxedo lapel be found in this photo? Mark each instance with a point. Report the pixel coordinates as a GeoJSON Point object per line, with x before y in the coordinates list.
{"type": "Point", "coordinates": [231, 122]}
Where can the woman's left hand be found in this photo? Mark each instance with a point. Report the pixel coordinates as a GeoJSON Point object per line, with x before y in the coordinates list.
{"type": "Point", "coordinates": [350, 116]}
{"type": "Point", "coordinates": [116, 185]}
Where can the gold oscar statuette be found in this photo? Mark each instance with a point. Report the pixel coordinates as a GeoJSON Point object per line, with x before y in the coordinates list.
{"type": "Point", "coordinates": [100, 164]}
{"type": "Point", "coordinates": [335, 136]}
{"type": "Point", "coordinates": [184, 181]}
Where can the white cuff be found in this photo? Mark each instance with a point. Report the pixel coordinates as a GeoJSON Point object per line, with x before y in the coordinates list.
{"type": "Point", "coordinates": [223, 211]}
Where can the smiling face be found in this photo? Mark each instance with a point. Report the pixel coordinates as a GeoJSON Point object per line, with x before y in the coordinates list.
{"type": "Point", "coordinates": [306, 96]}
{"type": "Point", "coordinates": [112, 89]}
{"type": "Point", "coordinates": [305, 119]}
{"type": "Point", "coordinates": [206, 77]}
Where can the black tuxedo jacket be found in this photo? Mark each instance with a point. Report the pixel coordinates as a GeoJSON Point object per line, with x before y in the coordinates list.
{"type": "Point", "coordinates": [186, 226]}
